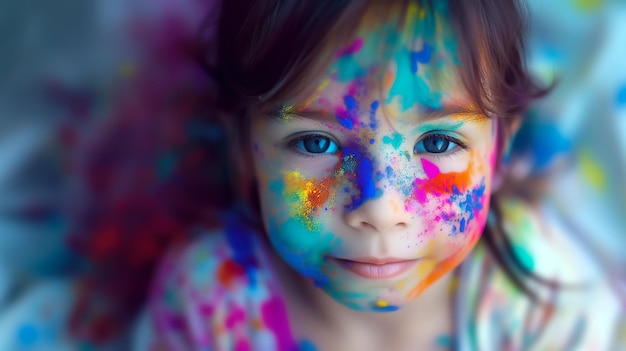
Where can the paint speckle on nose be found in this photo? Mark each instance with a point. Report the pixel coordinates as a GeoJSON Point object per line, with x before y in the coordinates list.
{"type": "Point", "coordinates": [364, 179]}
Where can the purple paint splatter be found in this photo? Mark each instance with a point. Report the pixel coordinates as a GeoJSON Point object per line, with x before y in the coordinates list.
{"type": "Point", "coordinates": [352, 49]}
{"type": "Point", "coordinates": [274, 316]}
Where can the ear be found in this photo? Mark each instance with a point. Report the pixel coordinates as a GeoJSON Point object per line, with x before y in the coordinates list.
{"type": "Point", "coordinates": [506, 129]}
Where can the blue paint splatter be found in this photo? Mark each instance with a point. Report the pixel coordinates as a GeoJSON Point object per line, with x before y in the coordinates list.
{"type": "Point", "coordinates": [240, 239]}
{"type": "Point", "coordinates": [347, 118]}
{"type": "Point", "coordinates": [389, 308]}
{"type": "Point", "coordinates": [541, 142]}
{"type": "Point", "coordinates": [306, 345]}
{"type": "Point", "coordinates": [390, 172]}
{"type": "Point", "coordinates": [444, 341]}
{"type": "Point", "coordinates": [470, 203]}
{"type": "Point", "coordinates": [350, 103]}
{"type": "Point", "coordinates": [422, 57]}
{"type": "Point", "coordinates": [621, 96]}
{"type": "Point", "coordinates": [373, 123]}
{"type": "Point", "coordinates": [365, 183]}
{"type": "Point", "coordinates": [455, 190]}
{"type": "Point", "coordinates": [27, 335]}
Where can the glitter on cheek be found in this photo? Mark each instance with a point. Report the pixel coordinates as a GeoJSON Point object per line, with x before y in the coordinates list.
{"type": "Point", "coordinates": [307, 197]}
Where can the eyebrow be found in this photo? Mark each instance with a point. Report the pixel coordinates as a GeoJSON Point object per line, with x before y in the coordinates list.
{"type": "Point", "coordinates": [284, 113]}
{"type": "Point", "coordinates": [465, 112]}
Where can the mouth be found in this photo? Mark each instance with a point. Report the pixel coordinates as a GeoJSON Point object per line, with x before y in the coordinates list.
{"type": "Point", "coordinates": [376, 268]}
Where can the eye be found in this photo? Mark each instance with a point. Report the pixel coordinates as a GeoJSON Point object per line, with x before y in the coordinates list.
{"type": "Point", "coordinates": [315, 144]}
{"type": "Point", "coordinates": [436, 143]}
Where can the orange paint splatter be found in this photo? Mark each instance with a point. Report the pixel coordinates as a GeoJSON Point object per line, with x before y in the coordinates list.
{"type": "Point", "coordinates": [388, 80]}
{"type": "Point", "coordinates": [308, 196]}
{"type": "Point", "coordinates": [443, 268]}
{"type": "Point", "coordinates": [442, 183]}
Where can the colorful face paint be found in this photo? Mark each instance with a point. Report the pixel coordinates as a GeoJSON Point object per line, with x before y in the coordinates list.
{"type": "Point", "coordinates": [376, 201]}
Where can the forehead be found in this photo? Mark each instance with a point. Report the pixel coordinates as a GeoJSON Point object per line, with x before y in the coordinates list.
{"type": "Point", "coordinates": [406, 60]}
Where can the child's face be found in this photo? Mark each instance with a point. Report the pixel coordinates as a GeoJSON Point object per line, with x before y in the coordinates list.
{"type": "Point", "coordinates": [378, 183]}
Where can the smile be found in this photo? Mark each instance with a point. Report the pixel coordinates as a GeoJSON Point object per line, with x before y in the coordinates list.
{"type": "Point", "coordinates": [372, 268]}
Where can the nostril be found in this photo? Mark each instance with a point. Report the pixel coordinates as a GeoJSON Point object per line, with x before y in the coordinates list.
{"type": "Point", "coordinates": [381, 215]}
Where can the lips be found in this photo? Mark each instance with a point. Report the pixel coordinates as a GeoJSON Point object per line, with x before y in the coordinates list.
{"type": "Point", "coordinates": [374, 268]}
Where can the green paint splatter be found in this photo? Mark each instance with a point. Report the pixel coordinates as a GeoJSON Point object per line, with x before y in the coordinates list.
{"type": "Point", "coordinates": [443, 125]}
{"type": "Point", "coordinates": [444, 341]}
{"type": "Point", "coordinates": [524, 257]}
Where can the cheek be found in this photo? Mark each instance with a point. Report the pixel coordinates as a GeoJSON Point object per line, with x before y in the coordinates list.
{"type": "Point", "coordinates": [452, 206]}
{"type": "Point", "coordinates": [292, 207]}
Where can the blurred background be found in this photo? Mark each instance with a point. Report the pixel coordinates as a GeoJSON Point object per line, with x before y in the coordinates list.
{"type": "Point", "coordinates": [104, 148]}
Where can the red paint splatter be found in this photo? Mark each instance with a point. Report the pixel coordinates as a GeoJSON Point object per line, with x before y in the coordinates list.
{"type": "Point", "coordinates": [228, 271]}
{"type": "Point", "coordinates": [441, 183]}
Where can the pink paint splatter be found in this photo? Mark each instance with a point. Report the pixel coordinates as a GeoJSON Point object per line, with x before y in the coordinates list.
{"type": "Point", "coordinates": [242, 345]}
{"type": "Point", "coordinates": [274, 316]}
{"type": "Point", "coordinates": [237, 315]}
{"type": "Point", "coordinates": [430, 168]}
{"type": "Point", "coordinates": [351, 49]}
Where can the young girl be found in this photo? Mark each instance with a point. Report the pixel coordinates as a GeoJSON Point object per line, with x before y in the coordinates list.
{"type": "Point", "coordinates": [368, 139]}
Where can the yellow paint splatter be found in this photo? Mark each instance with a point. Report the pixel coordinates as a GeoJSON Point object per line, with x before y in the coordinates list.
{"type": "Point", "coordinates": [454, 284]}
{"type": "Point", "coordinates": [588, 5]}
{"type": "Point", "coordinates": [307, 196]}
{"type": "Point", "coordinates": [382, 303]}
{"type": "Point", "coordinates": [591, 171]}
{"type": "Point", "coordinates": [323, 84]}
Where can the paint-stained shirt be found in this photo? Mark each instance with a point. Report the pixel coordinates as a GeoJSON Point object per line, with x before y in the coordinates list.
{"type": "Point", "coordinates": [219, 293]}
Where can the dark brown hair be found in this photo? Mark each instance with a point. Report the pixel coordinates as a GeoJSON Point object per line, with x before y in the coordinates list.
{"type": "Point", "coordinates": [256, 53]}
{"type": "Point", "coordinates": [263, 51]}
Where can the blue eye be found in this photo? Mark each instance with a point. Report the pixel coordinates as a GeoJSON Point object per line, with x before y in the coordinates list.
{"type": "Point", "coordinates": [316, 144]}
{"type": "Point", "coordinates": [436, 144]}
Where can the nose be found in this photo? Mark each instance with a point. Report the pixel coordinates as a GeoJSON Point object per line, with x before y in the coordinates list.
{"type": "Point", "coordinates": [384, 214]}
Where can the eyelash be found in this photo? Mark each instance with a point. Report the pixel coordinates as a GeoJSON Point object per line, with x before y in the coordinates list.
{"type": "Point", "coordinates": [460, 146]}
{"type": "Point", "coordinates": [293, 142]}
{"type": "Point", "coordinates": [446, 154]}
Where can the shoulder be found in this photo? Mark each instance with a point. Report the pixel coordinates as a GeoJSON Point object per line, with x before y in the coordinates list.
{"type": "Point", "coordinates": [582, 313]}
{"type": "Point", "coordinates": [216, 292]}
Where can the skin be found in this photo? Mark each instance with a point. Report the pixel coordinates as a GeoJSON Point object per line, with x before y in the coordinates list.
{"type": "Point", "coordinates": [378, 191]}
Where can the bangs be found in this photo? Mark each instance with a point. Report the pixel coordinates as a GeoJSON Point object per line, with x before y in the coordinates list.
{"type": "Point", "coordinates": [272, 50]}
